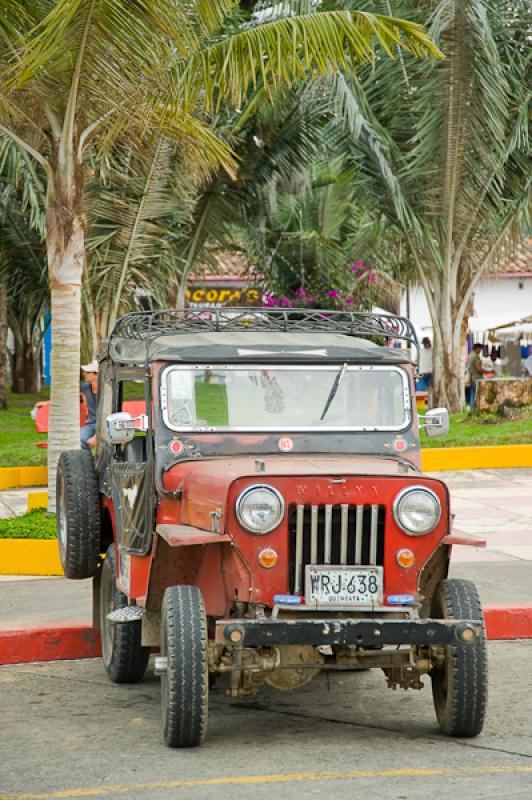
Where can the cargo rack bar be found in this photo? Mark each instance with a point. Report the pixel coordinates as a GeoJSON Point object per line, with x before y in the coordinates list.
{"type": "Point", "coordinates": [149, 325]}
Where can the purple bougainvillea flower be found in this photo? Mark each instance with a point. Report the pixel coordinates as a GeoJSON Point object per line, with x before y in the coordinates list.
{"type": "Point", "coordinates": [333, 294]}
{"type": "Point", "coordinates": [349, 300]}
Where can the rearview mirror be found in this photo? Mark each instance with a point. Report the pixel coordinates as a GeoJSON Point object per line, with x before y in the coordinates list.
{"type": "Point", "coordinates": [120, 427]}
{"type": "Point", "coordinates": [436, 422]}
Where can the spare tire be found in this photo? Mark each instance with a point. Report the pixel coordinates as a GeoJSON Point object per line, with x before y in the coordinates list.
{"type": "Point", "coordinates": [78, 514]}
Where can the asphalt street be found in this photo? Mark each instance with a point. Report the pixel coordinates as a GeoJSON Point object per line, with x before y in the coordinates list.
{"type": "Point", "coordinates": [67, 732]}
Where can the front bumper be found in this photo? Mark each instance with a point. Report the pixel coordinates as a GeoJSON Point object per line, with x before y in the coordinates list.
{"type": "Point", "coordinates": [359, 632]}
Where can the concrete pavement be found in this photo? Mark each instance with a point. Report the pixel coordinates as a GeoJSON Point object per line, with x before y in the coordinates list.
{"type": "Point", "coordinates": [68, 732]}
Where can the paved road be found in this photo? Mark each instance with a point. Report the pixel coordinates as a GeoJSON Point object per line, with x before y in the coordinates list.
{"type": "Point", "coordinates": [66, 732]}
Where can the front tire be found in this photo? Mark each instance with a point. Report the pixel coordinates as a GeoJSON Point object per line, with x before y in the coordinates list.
{"type": "Point", "coordinates": [78, 514]}
{"type": "Point", "coordinates": [185, 683]}
{"type": "Point", "coordinates": [460, 684]}
{"type": "Point", "coordinates": [124, 658]}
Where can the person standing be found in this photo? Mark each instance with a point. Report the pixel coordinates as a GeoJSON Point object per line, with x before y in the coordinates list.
{"type": "Point", "coordinates": [425, 367]}
{"type": "Point", "coordinates": [89, 390]}
{"type": "Point", "coordinates": [476, 372]}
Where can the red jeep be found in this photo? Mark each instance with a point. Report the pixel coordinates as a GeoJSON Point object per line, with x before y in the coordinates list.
{"type": "Point", "coordinates": [267, 517]}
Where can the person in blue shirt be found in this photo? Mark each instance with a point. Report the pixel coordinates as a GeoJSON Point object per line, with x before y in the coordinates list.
{"type": "Point", "coordinates": [89, 389]}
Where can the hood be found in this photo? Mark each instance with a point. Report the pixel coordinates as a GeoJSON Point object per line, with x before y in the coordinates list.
{"type": "Point", "coordinates": [204, 485]}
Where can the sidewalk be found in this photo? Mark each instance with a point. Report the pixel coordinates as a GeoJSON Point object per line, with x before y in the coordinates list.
{"type": "Point", "coordinates": [15, 501]}
{"type": "Point", "coordinates": [495, 505]}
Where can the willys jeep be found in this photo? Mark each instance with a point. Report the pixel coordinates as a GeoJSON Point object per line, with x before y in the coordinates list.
{"type": "Point", "coordinates": [265, 515]}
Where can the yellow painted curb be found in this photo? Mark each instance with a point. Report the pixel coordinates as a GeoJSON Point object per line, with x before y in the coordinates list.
{"type": "Point", "coordinates": [11, 477]}
{"type": "Point", "coordinates": [29, 557]}
{"type": "Point", "coordinates": [491, 457]}
{"type": "Point", "coordinates": [37, 500]}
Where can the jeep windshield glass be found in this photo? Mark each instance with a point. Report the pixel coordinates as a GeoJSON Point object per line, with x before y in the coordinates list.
{"type": "Point", "coordinates": [284, 398]}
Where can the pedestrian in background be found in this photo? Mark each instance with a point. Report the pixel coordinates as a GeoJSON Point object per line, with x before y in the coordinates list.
{"type": "Point", "coordinates": [475, 371]}
{"type": "Point", "coordinates": [89, 390]}
{"type": "Point", "coordinates": [425, 367]}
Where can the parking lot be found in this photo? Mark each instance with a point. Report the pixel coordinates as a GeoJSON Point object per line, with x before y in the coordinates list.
{"type": "Point", "coordinates": [67, 732]}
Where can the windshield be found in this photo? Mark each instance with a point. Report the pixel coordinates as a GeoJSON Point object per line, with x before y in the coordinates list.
{"type": "Point", "coordinates": [255, 398]}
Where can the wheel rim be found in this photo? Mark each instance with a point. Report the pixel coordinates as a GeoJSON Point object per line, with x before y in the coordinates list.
{"type": "Point", "coordinates": [164, 676]}
{"type": "Point", "coordinates": [106, 606]}
{"type": "Point", "coordinates": [62, 524]}
{"type": "Point", "coordinates": [440, 675]}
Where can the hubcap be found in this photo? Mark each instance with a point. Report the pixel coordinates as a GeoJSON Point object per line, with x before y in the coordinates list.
{"type": "Point", "coordinates": [62, 523]}
{"type": "Point", "coordinates": [107, 628]}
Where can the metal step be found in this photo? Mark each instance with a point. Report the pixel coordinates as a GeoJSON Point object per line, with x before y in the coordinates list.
{"type": "Point", "coordinates": [126, 614]}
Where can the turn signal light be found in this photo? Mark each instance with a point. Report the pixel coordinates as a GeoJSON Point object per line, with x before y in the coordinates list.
{"type": "Point", "coordinates": [405, 557]}
{"type": "Point", "coordinates": [268, 558]}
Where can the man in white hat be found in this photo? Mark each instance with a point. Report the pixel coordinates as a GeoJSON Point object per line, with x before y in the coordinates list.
{"type": "Point", "coordinates": [89, 390]}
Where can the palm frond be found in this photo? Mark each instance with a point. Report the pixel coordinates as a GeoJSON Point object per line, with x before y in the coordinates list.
{"type": "Point", "coordinates": [287, 50]}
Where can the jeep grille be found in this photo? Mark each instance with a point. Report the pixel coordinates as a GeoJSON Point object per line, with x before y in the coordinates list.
{"type": "Point", "coordinates": [339, 534]}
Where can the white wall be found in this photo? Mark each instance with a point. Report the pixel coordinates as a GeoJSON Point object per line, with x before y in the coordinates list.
{"type": "Point", "coordinates": [494, 302]}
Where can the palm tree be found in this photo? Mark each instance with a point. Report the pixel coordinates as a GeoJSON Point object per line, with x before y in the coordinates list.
{"type": "Point", "coordinates": [23, 279]}
{"type": "Point", "coordinates": [441, 149]}
{"type": "Point", "coordinates": [81, 73]}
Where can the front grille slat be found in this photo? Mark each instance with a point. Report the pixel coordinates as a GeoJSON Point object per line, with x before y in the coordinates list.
{"type": "Point", "coordinates": [343, 534]}
{"type": "Point", "coordinates": [373, 535]}
{"type": "Point", "coordinates": [359, 534]}
{"type": "Point", "coordinates": [340, 535]}
{"type": "Point", "coordinates": [328, 534]}
{"type": "Point", "coordinates": [299, 547]}
{"type": "Point", "coordinates": [313, 534]}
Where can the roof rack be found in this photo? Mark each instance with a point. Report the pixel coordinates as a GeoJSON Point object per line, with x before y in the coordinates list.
{"type": "Point", "coordinates": [149, 325]}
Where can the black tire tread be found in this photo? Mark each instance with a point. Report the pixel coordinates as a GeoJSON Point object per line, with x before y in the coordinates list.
{"type": "Point", "coordinates": [187, 682]}
{"type": "Point", "coordinates": [464, 710]}
{"type": "Point", "coordinates": [129, 659]}
{"type": "Point", "coordinates": [82, 510]}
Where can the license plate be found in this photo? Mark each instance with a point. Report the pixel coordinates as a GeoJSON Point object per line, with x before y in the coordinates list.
{"type": "Point", "coordinates": [346, 586]}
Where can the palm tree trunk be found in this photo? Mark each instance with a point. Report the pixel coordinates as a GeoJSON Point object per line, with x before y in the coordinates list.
{"type": "Point", "coordinates": [3, 345]}
{"type": "Point", "coordinates": [447, 358]}
{"type": "Point", "coordinates": [17, 372]}
{"type": "Point", "coordinates": [65, 239]}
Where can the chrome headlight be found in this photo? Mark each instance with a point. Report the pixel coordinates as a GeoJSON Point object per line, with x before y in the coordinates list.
{"type": "Point", "coordinates": [260, 508]}
{"type": "Point", "coordinates": [417, 510]}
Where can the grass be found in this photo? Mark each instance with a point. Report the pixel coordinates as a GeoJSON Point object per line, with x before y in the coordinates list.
{"type": "Point", "coordinates": [481, 430]}
{"type": "Point", "coordinates": [18, 436]}
{"type": "Point", "coordinates": [34, 525]}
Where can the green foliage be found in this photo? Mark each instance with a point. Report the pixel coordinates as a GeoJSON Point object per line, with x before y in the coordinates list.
{"type": "Point", "coordinates": [33, 525]}
{"type": "Point", "coordinates": [18, 436]}
{"type": "Point", "coordinates": [482, 430]}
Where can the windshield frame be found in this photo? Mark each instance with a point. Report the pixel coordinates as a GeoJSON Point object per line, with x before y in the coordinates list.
{"type": "Point", "coordinates": [331, 368]}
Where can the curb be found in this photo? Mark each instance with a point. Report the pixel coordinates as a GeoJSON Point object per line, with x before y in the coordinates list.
{"type": "Point", "coordinates": [61, 642]}
{"type": "Point", "coordinates": [13, 477]}
{"type": "Point", "coordinates": [68, 641]}
{"type": "Point", "coordinates": [442, 459]}
{"type": "Point", "coordinates": [29, 557]}
{"type": "Point", "coordinates": [38, 500]}
{"type": "Point", "coordinates": [508, 622]}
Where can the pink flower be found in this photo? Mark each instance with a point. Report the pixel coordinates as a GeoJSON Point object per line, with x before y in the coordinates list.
{"type": "Point", "coordinates": [333, 294]}
{"type": "Point", "coordinates": [348, 300]}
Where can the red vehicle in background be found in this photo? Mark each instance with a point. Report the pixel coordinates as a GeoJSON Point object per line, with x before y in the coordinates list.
{"type": "Point", "coordinates": [267, 517]}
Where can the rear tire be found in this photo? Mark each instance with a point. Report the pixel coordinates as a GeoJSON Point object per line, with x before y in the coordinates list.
{"type": "Point", "coordinates": [78, 514]}
{"type": "Point", "coordinates": [185, 684]}
{"type": "Point", "coordinates": [124, 658]}
{"type": "Point", "coordinates": [460, 685]}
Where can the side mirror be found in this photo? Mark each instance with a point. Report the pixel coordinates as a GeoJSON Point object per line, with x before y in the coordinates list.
{"type": "Point", "coordinates": [436, 422]}
{"type": "Point", "coordinates": [120, 427]}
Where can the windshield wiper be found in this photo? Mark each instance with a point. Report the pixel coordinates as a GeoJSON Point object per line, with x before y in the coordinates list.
{"type": "Point", "coordinates": [334, 389]}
